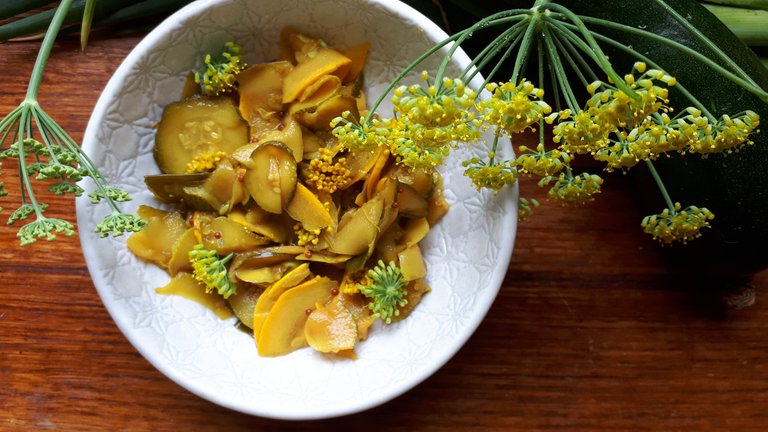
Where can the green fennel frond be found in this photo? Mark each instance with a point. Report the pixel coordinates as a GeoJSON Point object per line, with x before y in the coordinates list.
{"type": "Point", "coordinates": [44, 227]}
{"type": "Point", "coordinates": [221, 71]}
{"type": "Point", "coordinates": [65, 187]}
{"type": "Point", "coordinates": [24, 212]}
{"type": "Point", "coordinates": [211, 270]}
{"type": "Point", "coordinates": [386, 291]}
{"type": "Point", "coordinates": [109, 192]}
{"type": "Point", "coordinates": [45, 151]}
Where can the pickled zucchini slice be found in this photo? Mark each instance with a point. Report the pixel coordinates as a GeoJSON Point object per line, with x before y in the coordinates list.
{"type": "Point", "coordinates": [271, 176]}
{"type": "Point", "coordinates": [196, 126]}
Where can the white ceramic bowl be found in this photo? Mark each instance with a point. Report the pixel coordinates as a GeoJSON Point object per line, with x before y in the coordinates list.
{"type": "Point", "coordinates": [467, 252]}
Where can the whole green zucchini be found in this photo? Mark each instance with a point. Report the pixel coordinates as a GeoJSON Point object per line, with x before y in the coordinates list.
{"type": "Point", "coordinates": [735, 186]}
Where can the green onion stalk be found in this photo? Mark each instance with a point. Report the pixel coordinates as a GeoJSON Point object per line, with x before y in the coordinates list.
{"type": "Point", "coordinates": [619, 119]}
{"type": "Point", "coordinates": [44, 151]}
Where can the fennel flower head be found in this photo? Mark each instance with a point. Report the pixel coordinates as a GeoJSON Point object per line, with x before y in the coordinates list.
{"type": "Point", "coordinates": [680, 225]}
{"type": "Point", "coordinates": [513, 107]}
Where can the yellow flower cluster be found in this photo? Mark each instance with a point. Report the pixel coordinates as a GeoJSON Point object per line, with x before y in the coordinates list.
{"type": "Point", "coordinates": [205, 162]}
{"type": "Point", "coordinates": [525, 208]}
{"type": "Point", "coordinates": [614, 107]}
{"type": "Point", "coordinates": [491, 176]}
{"type": "Point", "coordinates": [679, 225]}
{"type": "Point", "coordinates": [727, 134]}
{"type": "Point", "coordinates": [430, 120]}
{"type": "Point", "coordinates": [612, 110]}
{"type": "Point", "coordinates": [327, 174]}
{"type": "Point", "coordinates": [436, 106]}
{"type": "Point", "coordinates": [579, 133]}
{"type": "Point", "coordinates": [624, 153]}
{"type": "Point", "coordinates": [357, 134]}
{"type": "Point", "coordinates": [620, 125]}
{"type": "Point", "coordinates": [221, 74]}
{"type": "Point", "coordinates": [210, 269]}
{"type": "Point", "coordinates": [305, 237]}
{"type": "Point", "coordinates": [513, 108]}
{"type": "Point", "coordinates": [570, 189]}
{"type": "Point", "coordinates": [419, 154]}
{"type": "Point", "coordinates": [541, 162]}
{"type": "Point", "coordinates": [622, 129]}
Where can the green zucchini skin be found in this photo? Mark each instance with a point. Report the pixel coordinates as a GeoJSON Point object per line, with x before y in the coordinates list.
{"type": "Point", "coordinates": [734, 187]}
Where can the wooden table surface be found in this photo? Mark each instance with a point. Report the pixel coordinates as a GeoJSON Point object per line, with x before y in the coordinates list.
{"type": "Point", "coordinates": [590, 332]}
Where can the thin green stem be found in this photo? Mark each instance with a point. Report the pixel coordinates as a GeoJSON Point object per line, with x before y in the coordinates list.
{"type": "Point", "coordinates": [562, 78]}
{"type": "Point", "coordinates": [510, 38]}
{"type": "Point", "coordinates": [86, 163]}
{"type": "Point", "coordinates": [577, 55]}
{"type": "Point", "coordinates": [555, 86]}
{"type": "Point", "coordinates": [493, 20]}
{"type": "Point", "coordinates": [501, 60]}
{"type": "Point", "coordinates": [600, 57]}
{"type": "Point", "coordinates": [706, 41]}
{"type": "Point", "coordinates": [564, 29]}
{"type": "Point", "coordinates": [757, 91]}
{"type": "Point", "coordinates": [525, 46]}
{"type": "Point", "coordinates": [41, 128]}
{"type": "Point", "coordinates": [661, 186]}
{"type": "Point", "coordinates": [494, 146]}
{"type": "Point", "coordinates": [564, 53]}
{"type": "Point", "coordinates": [9, 123]}
{"type": "Point", "coordinates": [540, 55]}
{"type": "Point", "coordinates": [680, 88]}
{"type": "Point", "coordinates": [85, 26]}
{"type": "Point", "coordinates": [45, 49]}
{"type": "Point", "coordinates": [405, 72]}
{"type": "Point", "coordinates": [26, 183]}
{"type": "Point", "coordinates": [497, 19]}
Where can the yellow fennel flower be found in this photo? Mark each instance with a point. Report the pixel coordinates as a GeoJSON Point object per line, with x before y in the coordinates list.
{"type": "Point", "coordinates": [327, 174]}
{"type": "Point", "coordinates": [490, 175]}
{"type": "Point", "coordinates": [616, 108]}
{"type": "Point", "coordinates": [579, 133]}
{"type": "Point", "coordinates": [658, 136]}
{"type": "Point", "coordinates": [571, 189]}
{"type": "Point", "coordinates": [211, 270]}
{"type": "Point", "coordinates": [438, 105]}
{"type": "Point", "coordinates": [541, 162]}
{"type": "Point", "coordinates": [677, 226]}
{"type": "Point", "coordinates": [419, 146]}
{"type": "Point", "coordinates": [358, 134]}
{"type": "Point", "coordinates": [728, 134]}
{"type": "Point", "coordinates": [305, 237]}
{"type": "Point", "coordinates": [512, 107]}
{"type": "Point", "coordinates": [205, 162]}
{"type": "Point", "coordinates": [525, 208]}
{"type": "Point", "coordinates": [221, 72]}
{"type": "Point", "coordinates": [626, 151]}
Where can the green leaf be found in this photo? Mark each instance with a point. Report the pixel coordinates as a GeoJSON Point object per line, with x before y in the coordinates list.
{"type": "Point", "coordinates": [12, 8]}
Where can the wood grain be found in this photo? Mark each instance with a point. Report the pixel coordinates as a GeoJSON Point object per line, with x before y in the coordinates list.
{"type": "Point", "coordinates": [591, 330]}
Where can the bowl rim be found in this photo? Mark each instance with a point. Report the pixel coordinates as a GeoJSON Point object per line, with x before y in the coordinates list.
{"type": "Point", "coordinates": [434, 33]}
